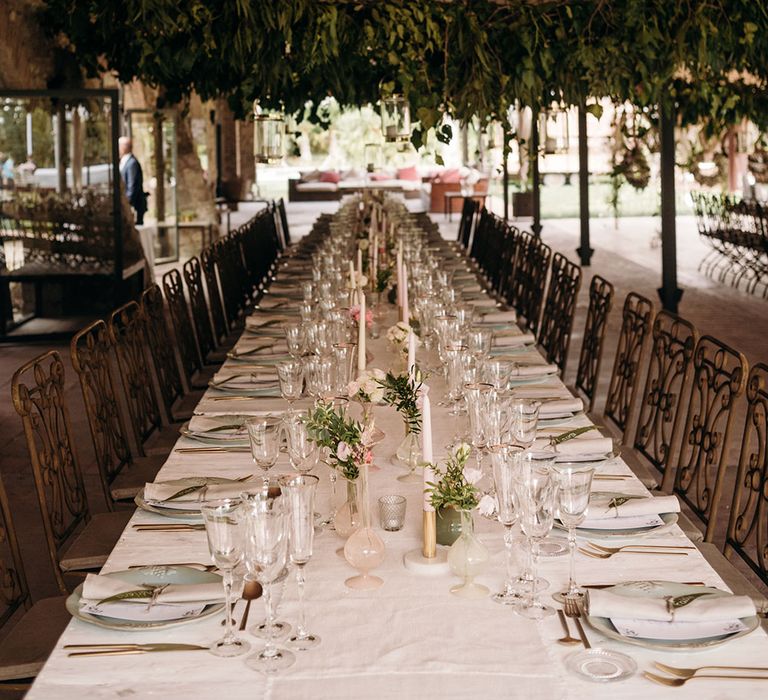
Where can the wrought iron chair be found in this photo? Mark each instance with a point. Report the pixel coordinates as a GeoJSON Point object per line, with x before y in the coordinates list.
{"type": "Point", "coordinates": [636, 320]}
{"type": "Point", "coordinates": [30, 630]}
{"type": "Point", "coordinates": [201, 318]}
{"type": "Point", "coordinates": [219, 318]}
{"type": "Point", "coordinates": [530, 280]}
{"type": "Point", "coordinates": [187, 344]}
{"type": "Point", "coordinates": [559, 310]}
{"type": "Point", "coordinates": [127, 332]}
{"type": "Point", "coordinates": [121, 475]}
{"type": "Point", "coordinates": [719, 379]}
{"type": "Point", "coordinates": [591, 353]}
{"type": "Point", "coordinates": [469, 211]}
{"type": "Point", "coordinates": [662, 403]}
{"type": "Point", "coordinates": [747, 533]}
{"type": "Point", "coordinates": [76, 541]}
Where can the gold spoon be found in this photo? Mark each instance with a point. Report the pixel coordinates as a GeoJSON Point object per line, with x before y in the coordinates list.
{"type": "Point", "coordinates": [251, 591]}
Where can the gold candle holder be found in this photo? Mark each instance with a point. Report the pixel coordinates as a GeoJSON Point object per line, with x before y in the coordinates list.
{"type": "Point", "coordinates": [429, 544]}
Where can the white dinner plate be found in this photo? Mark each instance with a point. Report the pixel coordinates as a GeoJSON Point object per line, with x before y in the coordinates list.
{"type": "Point", "coordinates": [169, 511]}
{"type": "Point", "coordinates": [151, 575]}
{"type": "Point", "coordinates": [662, 589]}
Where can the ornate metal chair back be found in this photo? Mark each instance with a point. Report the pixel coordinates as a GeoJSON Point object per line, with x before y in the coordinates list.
{"type": "Point", "coordinates": [128, 335]}
{"type": "Point", "coordinates": [37, 389]}
{"type": "Point", "coordinates": [161, 347]}
{"type": "Point", "coordinates": [91, 352]}
{"type": "Point", "coordinates": [208, 263]}
{"type": "Point", "coordinates": [636, 320]}
{"type": "Point", "coordinates": [530, 280]}
{"type": "Point", "coordinates": [719, 379]}
{"type": "Point", "coordinates": [15, 590]}
{"type": "Point", "coordinates": [662, 404]}
{"type": "Point", "coordinates": [201, 318]}
{"type": "Point", "coordinates": [591, 353]}
{"type": "Point", "coordinates": [559, 310]}
{"type": "Point", "coordinates": [182, 325]}
{"type": "Point", "coordinates": [748, 524]}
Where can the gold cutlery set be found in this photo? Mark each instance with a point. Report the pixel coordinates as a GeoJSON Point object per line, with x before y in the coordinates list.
{"type": "Point", "coordinates": [599, 551]}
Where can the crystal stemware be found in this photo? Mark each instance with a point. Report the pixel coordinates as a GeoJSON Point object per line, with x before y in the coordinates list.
{"type": "Point", "coordinates": [479, 342]}
{"type": "Point", "coordinates": [264, 437]}
{"type": "Point", "coordinates": [267, 554]}
{"type": "Point", "coordinates": [291, 376]}
{"type": "Point", "coordinates": [536, 499]}
{"type": "Point", "coordinates": [574, 481]}
{"type": "Point", "coordinates": [505, 468]}
{"type": "Point", "coordinates": [299, 491]}
{"type": "Point", "coordinates": [224, 529]}
{"type": "Point", "coordinates": [303, 453]}
{"type": "Point", "coordinates": [294, 337]}
{"type": "Point", "coordinates": [479, 398]}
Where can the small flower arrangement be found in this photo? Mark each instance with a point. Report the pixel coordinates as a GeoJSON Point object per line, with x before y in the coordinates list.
{"type": "Point", "coordinates": [347, 441]}
{"type": "Point", "coordinates": [397, 335]}
{"type": "Point", "coordinates": [383, 279]}
{"type": "Point", "coordinates": [367, 387]}
{"type": "Point", "coordinates": [354, 314]}
{"type": "Point", "coordinates": [455, 485]}
{"type": "Point", "coordinates": [404, 393]}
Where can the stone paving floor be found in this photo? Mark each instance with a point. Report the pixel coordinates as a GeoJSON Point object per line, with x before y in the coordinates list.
{"type": "Point", "coordinates": [624, 255]}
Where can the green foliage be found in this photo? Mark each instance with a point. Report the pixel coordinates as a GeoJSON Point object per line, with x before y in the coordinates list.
{"type": "Point", "coordinates": [383, 278]}
{"type": "Point", "coordinates": [452, 487]}
{"type": "Point", "coordinates": [340, 435]}
{"type": "Point", "coordinates": [402, 392]}
{"type": "Point", "coordinates": [705, 59]}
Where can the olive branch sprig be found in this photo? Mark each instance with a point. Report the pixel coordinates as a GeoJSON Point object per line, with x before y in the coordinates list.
{"type": "Point", "coordinates": [402, 392]}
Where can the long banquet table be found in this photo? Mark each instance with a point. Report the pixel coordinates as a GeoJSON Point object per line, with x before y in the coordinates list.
{"type": "Point", "coordinates": [409, 638]}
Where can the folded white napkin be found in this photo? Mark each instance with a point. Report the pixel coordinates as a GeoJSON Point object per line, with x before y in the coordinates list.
{"type": "Point", "coordinates": [600, 508]}
{"type": "Point", "coordinates": [576, 447]}
{"type": "Point", "coordinates": [210, 423]}
{"type": "Point", "coordinates": [533, 369]}
{"type": "Point", "coordinates": [482, 302]}
{"type": "Point", "coordinates": [510, 341]}
{"type": "Point", "coordinates": [98, 588]}
{"type": "Point", "coordinates": [499, 317]}
{"type": "Point", "coordinates": [158, 491]}
{"type": "Point", "coordinates": [248, 345]}
{"type": "Point", "coordinates": [276, 303]}
{"type": "Point", "coordinates": [234, 372]}
{"type": "Point", "coordinates": [604, 603]}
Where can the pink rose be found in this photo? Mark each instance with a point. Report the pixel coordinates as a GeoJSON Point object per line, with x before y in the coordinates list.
{"type": "Point", "coordinates": [368, 456]}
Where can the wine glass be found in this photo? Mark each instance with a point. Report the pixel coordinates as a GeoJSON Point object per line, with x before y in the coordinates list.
{"type": "Point", "coordinates": [574, 481]}
{"type": "Point", "coordinates": [299, 491]}
{"type": "Point", "coordinates": [479, 342]}
{"type": "Point", "coordinates": [224, 529]}
{"type": "Point", "coordinates": [523, 421]}
{"type": "Point", "coordinates": [496, 372]}
{"type": "Point", "coordinates": [266, 552]}
{"type": "Point", "coordinates": [291, 376]}
{"type": "Point", "coordinates": [505, 468]}
{"type": "Point", "coordinates": [479, 399]}
{"type": "Point", "coordinates": [302, 452]}
{"type": "Point", "coordinates": [294, 337]}
{"type": "Point", "coordinates": [264, 436]}
{"type": "Point", "coordinates": [536, 488]}
{"type": "Point", "coordinates": [455, 369]}
{"type": "Point", "coordinates": [344, 355]}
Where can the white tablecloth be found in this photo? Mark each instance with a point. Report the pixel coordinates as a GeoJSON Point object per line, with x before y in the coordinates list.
{"type": "Point", "coordinates": [409, 638]}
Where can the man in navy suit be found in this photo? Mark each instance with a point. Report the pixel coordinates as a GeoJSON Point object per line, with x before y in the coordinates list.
{"type": "Point", "coordinates": [130, 171]}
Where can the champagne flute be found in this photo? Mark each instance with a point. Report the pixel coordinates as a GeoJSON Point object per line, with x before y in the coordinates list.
{"type": "Point", "coordinates": [299, 491]}
{"type": "Point", "coordinates": [536, 498]}
{"type": "Point", "coordinates": [574, 481]}
{"type": "Point", "coordinates": [223, 520]}
{"type": "Point", "coordinates": [264, 437]}
{"type": "Point", "coordinates": [267, 554]}
{"type": "Point", "coordinates": [505, 468]}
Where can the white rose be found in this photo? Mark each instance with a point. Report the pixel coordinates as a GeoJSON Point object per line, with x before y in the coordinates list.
{"type": "Point", "coordinates": [377, 395]}
{"type": "Point", "coordinates": [487, 506]}
{"type": "Point", "coordinates": [472, 474]}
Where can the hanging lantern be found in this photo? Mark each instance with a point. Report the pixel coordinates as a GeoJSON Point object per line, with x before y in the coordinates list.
{"type": "Point", "coordinates": [395, 119]}
{"type": "Point", "coordinates": [269, 132]}
{"type": "Point", "coordinates": [553, 128]}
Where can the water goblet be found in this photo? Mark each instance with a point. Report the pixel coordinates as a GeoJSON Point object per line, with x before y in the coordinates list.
{"type": "Point", "coordinates": [294, 336]}
{"type": "Point", "coordinates": [291, 376]}
{"type": "Point", "coordinates": [344, 355]}
{"type": "Point", "coordinates": [523, 421]}
{"type": "Point", "coordinates": [574, 482]}
{"type": "Point", "coordinates": [536, 488]}
{"type": "Point", "coordinates": [299, 492]}
{"type": "Point", "coordinates": [266, 553]}
{"type": "Point", "coordinates": [302, 452]}
{"type": "Point", "coordinates": [264, 438]}
{"type": "Point", "coordinates": [224, 529]}
{"type": "Point", "coordinates": [479, 342]}
{"type": "Point", "coordinates": [496, 372]}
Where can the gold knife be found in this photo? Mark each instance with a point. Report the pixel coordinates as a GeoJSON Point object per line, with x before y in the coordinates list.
{"type": "Point", "coordinates": [123, 649]}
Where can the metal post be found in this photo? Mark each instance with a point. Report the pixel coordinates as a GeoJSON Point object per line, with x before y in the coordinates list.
{"type": "Point", "coordinates": [505, 173]}
{"type": "Point", "coordinates": [584, 250]}
{"type": "Point", "coordinates": [669, 292]}
{"type": "Point", "coordinates": [117, 182]}
{"type": "Point", "coordinates": [534, 155]}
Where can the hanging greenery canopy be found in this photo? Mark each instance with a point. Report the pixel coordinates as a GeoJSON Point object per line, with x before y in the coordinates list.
{"type": "Point", "coordinates": [708, 59]}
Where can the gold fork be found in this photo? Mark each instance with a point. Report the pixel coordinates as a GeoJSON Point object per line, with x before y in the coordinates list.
{"type": "Point", "coordinates": [616, 550]}
{"type": "Point", "coordinates": [677, 682]}
{"type": "Point", "coordinates": [691, 672]}
{"type": "Point", "coordinates": [607, 555]}
{"type": "Point", "coordinates": [571, 607]}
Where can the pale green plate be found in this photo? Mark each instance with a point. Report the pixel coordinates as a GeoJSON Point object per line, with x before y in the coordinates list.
{"type": "Point", "coordinates": [663, 589]}
{"type": "Point", "coordinates": [189, 516]}
{"type": "Point", "coordinates": [153, 575]}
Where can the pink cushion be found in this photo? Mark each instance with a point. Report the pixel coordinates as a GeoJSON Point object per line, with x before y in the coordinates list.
{"type": "Point", "coordinates": [451, 175]}
{"type": "Point", "coordinates": [330, 176]}
{"type": "Point", "coordinates": [378, 177]}
{"type": "Point", "coordinates": [408, 174]}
